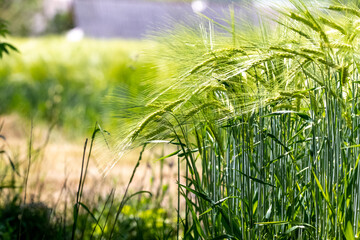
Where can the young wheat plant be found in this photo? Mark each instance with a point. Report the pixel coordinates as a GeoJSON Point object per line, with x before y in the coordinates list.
{"type": "Point", "coordinates": [266, 119]}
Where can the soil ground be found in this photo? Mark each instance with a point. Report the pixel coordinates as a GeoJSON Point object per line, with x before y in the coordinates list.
{"type": "Point", "coordinates": [56, 165]}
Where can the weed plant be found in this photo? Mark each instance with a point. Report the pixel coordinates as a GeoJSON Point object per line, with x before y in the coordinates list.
{"type": "Point", "coordinates": [132, 215]}
{"type": "Point", "coordinates": [266, 120]}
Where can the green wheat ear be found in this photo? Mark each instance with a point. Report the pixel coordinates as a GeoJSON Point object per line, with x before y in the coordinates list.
{"type": "Point", "coordinates": [312, 51]}
{"type": "Point", "coordinates": [228, 51]}
{"type": "Point", "coordinates": [298, 31]}
{"type": "Point", "coordinates": [339, 45]}
{"type": "Point", "coordinates": [157, 132]}
{"type": "Point", "coordinates": [347, 9]}
{"type": "Point", "coordinates": [216, 104]}
{"type": "Point", "coordinates": [333, 25]}
{"type": "Point", "coordinates": [205, 63]}
{"type": "Point", "coordinates": [313, 102]}
{"type": "Point", "coordinates": [154, 117]}
{"type": "Point", "coordinates": [145, 122]}
{"type": "Point", "coordinates": [304, 55]}
{"type": "Point", "coordinates": [303, 20]}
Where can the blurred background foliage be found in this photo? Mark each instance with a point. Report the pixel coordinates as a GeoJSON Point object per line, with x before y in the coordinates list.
{"type": "Point", "coordinates": [60, 82]}
{"type": "Point", "coordinates": [19, 14]}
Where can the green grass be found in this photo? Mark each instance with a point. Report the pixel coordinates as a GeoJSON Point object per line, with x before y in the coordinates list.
{"type": "Point", "coordinates": [266, 122]}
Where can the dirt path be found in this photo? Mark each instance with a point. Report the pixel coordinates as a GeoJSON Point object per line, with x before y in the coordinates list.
{"type": "Point", "coordinates": [56, 165]}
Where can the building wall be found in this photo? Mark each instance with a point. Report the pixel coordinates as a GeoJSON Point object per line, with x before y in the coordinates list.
{"type": "Point", "coordinates": [135, 19]}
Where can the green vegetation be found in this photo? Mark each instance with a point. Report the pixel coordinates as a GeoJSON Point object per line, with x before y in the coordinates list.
{"type": "Point", "coordinates": [266, 123]}
{"type": "Point", "coordinates": [43, 82]}
{"type": "Point", "coordinates": [65, 83]}
{"type": "Point", "coordinates": [20, 14]}
{"type": "Point", "coordinates": [89, 216]}
{"type": "Point", "coordinates": [265, 119]}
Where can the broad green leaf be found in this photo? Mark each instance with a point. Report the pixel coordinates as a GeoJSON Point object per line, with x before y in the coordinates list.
{"type": "Point", "coordinates": [349, 233]}
{"type": "Point", "coordinates": [293, 228]}
{"type": "Point", "coordinates": [352, 146]}
{"type": "Point", "coordinates": [208, 210]}
{"type": "Point", "coordinates": [167, 156]}
{"type": "Point", "coordinates": [325, 195]}
{"type": "Point", "coordinates": [268, 212]}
